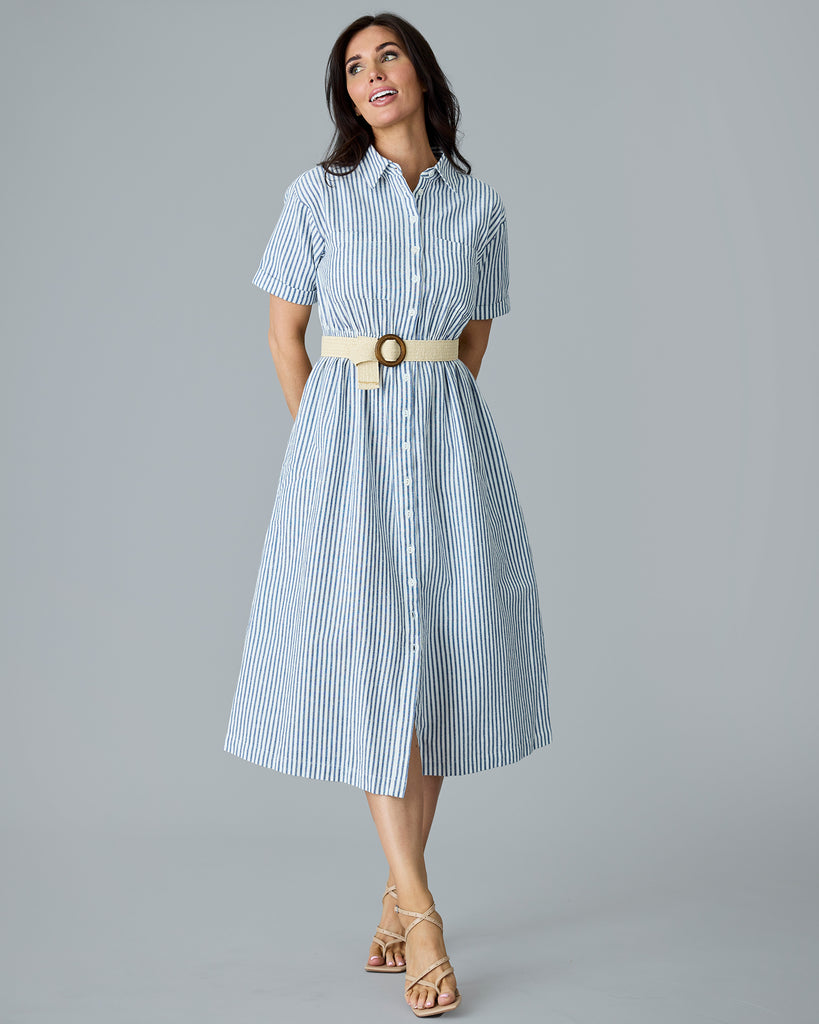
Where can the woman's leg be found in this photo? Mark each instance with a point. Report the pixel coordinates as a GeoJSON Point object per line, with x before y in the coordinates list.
{"type": "Point", "coordinates": [403, 827]}
{"type": "Point", "coordinates": [389, 919]}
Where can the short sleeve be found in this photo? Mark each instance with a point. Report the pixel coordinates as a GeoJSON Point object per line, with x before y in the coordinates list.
{"type": "Point", "coordinates": [290, 260]}
{"type": "Point", "coordinates": [492, 298]}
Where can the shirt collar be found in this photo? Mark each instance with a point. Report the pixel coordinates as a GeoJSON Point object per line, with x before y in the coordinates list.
{"type": "Point", "coordinates": [374, 165]}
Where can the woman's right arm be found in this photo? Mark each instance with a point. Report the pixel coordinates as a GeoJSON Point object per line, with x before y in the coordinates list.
{"type": "Point", "coordinates": [288, 326]}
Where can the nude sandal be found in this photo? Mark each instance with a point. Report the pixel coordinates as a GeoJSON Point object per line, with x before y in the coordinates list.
{"type": "Point", "coordinates": [385, 967]}
{"type": "Point", "coordinates": [438, 1008]}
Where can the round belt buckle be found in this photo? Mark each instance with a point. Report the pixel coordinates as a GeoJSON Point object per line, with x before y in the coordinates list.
{"type": "Point", "coordinates": [401, 345]}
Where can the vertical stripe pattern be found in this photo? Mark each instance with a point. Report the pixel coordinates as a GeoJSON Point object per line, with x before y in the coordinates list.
{"type": "Point", "coordinates": [396, 586]}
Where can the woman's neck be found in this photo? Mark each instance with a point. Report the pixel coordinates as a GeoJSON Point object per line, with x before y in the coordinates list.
{"type": "Point", "coordinates": [408, 147]}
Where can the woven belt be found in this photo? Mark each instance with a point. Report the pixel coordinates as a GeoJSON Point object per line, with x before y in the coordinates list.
{"type": "Point", "coordinates": [367, 353]}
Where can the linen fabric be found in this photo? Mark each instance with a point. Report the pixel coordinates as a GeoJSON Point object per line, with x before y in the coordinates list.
{"type": "Point", "coordinates": [396, 587]}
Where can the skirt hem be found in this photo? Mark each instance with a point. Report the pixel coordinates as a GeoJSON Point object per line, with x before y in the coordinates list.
{"type": "Point", "coordinates": [335, 773]}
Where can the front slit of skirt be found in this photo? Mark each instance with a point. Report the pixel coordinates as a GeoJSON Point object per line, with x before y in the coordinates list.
{"type": "Point", "coordinates": [412, 725]}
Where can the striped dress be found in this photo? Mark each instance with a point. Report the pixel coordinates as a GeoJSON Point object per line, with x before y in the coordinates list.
{"type": "Point", "coordinates": [396, 587]}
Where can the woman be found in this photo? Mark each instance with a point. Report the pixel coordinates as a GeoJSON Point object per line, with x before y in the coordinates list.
{"type": "Point", "coordinates": [395, 634]}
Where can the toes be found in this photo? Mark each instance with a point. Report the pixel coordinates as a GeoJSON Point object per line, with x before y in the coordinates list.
{"type": "Point", "coordinates": [447, 989]}
{"type": "Point", "coordinates": [422, 997]}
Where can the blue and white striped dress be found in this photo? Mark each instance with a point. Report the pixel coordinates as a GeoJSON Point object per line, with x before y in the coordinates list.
{"type": "Point", "coordinates": [396, 586]}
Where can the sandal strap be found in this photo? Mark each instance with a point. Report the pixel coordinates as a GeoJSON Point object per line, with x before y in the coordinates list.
{"type": "Point", "coordinates": [385, 931]}
{"type": "Point", "coordinates": [430, 984]}
{"type": "Point", "coordinates": [383, 945]}
{"type": "Point", "coordinates": [419, 918]}
{"type": "Point", "coordinates": [395, 937]}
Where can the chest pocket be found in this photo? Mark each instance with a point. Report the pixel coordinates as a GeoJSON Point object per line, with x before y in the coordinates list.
{"type": "Point", "coordinates": [364, 268]}
{"type": "Point", "coordinates": [451, 275]}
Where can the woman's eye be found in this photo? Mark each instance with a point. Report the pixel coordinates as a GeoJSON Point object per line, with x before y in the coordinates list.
{"type": "Point", "coordinates": [387, 53]}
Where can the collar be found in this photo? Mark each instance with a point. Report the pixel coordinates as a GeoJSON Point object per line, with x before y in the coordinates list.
{"type": "Point", "coordinates": [373, 165]}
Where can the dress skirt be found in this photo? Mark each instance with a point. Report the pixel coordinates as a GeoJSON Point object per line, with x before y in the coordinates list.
{"type": "Point", "coordinates": [396, 589]}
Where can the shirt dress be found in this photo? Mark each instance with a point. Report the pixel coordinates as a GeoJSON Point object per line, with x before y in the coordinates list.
{"type": "Point", "coordinates": [396, 587]}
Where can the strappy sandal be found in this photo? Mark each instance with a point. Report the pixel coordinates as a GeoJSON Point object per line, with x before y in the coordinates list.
{"type": "Point", "coordinates": [395, 937]}
{"type": "Point", "coordinates": [438, 1008]}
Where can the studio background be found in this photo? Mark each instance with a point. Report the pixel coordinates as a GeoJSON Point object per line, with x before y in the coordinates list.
{"type": "Point", "coordinates": [656, 862]}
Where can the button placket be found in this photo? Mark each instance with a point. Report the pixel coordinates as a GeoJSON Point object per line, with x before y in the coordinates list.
{"type": "Point", "coordinates": [413, 291]}
{"type": "Point", "coordinates": [412, 200]}
{"type": "Point", "coordinates": [408, 502]}
{"type": "Point", "coordinates": [415, 275]}
{"type": "Point", "coordinates": [414, 218]}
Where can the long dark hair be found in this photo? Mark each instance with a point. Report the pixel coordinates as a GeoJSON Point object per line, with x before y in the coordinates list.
{"type": "Point", "coordinates": [353, 135]}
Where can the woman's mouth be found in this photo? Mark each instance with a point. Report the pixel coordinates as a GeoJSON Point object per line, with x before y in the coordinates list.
{"type": "Point", "coordinates": [383, 97]}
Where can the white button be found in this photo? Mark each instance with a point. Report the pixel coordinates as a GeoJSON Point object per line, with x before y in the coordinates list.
{"type": "Point", "coordinates": [405, 444]}
{"type": "Point", "coordinates": [411, 549]}
{"type": "Point", "coordinates": [409, 513]}
{"type": "Point", "coordinates": [406, 412]}
{"type": "Point", "coordinates": [416, 248]}
{"type": "Point", "coordinates": [407, 481]}
{"type": "Point", "coordinates": [411, 581]}
{"type": "Point", "coordinates": [412, 312]}
{"type": "Point", "coordinates": [413, 219]}
{"type": "Point", "coordinates": [416, 277]}
{"type": "Point", "coordinates": [406, 374]}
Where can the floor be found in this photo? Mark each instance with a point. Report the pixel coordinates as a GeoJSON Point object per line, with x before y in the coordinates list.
{"type": "Point", "coordinates": [183, 927]}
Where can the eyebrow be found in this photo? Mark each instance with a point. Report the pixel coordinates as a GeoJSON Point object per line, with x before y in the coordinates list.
{"type": "Point", "coordinates": [379, 47]}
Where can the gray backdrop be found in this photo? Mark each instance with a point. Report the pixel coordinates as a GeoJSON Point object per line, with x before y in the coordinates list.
{"type": "Point", "coordinates": [656, 863]}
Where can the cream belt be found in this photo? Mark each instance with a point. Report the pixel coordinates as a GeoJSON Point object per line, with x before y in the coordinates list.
{"type": "Point", "coordinates": [367, 353]}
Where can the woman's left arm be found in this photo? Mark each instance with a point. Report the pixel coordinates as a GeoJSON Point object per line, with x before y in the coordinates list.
{"type": "Point", "coordinates": [472, 343]}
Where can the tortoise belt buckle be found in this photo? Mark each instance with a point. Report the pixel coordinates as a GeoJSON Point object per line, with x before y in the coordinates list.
{"type": "Point", "coordinates": [401, 354]}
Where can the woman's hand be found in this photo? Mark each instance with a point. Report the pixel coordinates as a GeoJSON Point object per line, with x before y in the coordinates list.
{"type": "Point", "coordinates": [288, 325]}
{"type": "Point", "coordinates": [472, 344]}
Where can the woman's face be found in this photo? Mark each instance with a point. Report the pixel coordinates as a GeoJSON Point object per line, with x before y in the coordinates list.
{"type": "Point", "coordinates": [375, 61]}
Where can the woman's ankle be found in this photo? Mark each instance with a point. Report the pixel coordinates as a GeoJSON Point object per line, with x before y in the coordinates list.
{"type": "Point", "coordinates": [418, 898]}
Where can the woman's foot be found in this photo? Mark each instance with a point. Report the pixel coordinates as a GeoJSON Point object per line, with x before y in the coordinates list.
{"type": "Point", "coordinates": [424, 945]}
{"type": "Point", "coordinates": [391, 922]}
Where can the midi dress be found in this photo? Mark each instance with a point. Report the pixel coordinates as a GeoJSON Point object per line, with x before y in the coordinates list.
{"type": "Point", "coordinates": [396, 589]}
